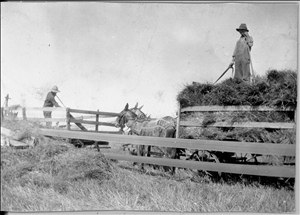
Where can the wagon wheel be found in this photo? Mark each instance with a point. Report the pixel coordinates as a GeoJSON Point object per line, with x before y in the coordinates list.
{"type": "Point", "coordinates": [247, 158]}
{"type": "Point", "coordinates": [97, 146]}
{"type": "Point", "coordinates": [77, 143]}
{"type": "Point", "coordinates": [206, 156]}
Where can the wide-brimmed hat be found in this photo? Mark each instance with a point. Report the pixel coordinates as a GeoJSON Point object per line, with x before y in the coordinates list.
{"type": "Point", "coordinates": [243, 26]}
{"type": "Point", "coordinates": [55, 89]}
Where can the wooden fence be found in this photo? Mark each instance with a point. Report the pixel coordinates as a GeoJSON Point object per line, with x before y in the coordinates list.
{"type": "Point", "coordinates": [261, 148]}
{"type": "Point", "coordinates": [8, 113]}
{"type": "Point", "coordinates": [98, 114]}
{"type": "Point", "coordinates": [286, 171]}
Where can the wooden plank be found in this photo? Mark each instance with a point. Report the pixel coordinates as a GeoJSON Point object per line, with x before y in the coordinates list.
{"type": "Point", "coordinates": [104, 147]}
{"type": "Point", "coordinates": [107, 132]}
{"type": "Point", "coordinates": [45, 109]}
{"type": "Point", "coordinates": [178, 124]}
{"type": "Point", "coordinates": [7, 132]}
{"type": "Point", "coordinates": [106, 212]}
{"type": "Point", "coordinates": [2, 114]}
{"type": "Point", "coordinates": [232, 108]}
{"type": "Point", "coordinates": [77, 123]}
{"type": "Point", "coordinates": [101, 114]}
{"type": "Point", "coordinates": [68, 119]}
{"type": "Point", "coordinates": [94, 112]}
{"type": "Point", "coordinates": [281, 125]}
{"type": "Point", "coordinates": [97, 121]}
{"type": "Point", "coordinates": [18, 144]}
{"type": "Point", "coordinates": [213, 145]}
{"type": "Point", "coordinates": [101, 132]}
{"type": "Point", "coordinates": [24, 113]}
{"type": "Point", "coordinates": [84, 117]}
{"type": "Point", "coordinates": [92, 122]}
{"type": "Point", "coordinates": [43, 119]}
{"type": "Point", "coordinates": [15, 108]}
{"type": "Point", "coordinates": [261, 170]}
{"type": "Point", "coordinates": [92, 117]}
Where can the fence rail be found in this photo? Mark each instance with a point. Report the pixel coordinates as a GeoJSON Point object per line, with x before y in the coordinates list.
{"type": "Point", "coordinates": [110, 114]}
{"type": "Point", "coordinates": [272, 171]}
{"type": "Point", "coordinates": [92, 122]}
{"type": "Point", "coordinates": [213, 145]}
{"type": "Point", "coordinates": [260, 148]}
{"type": "Point", "coordinates": [36, 108]}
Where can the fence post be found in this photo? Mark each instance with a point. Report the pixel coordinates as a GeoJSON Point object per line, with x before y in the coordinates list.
{"type": "Point", "coordinates": [178, 119]}
{"type": "Point", "coordinates": [6, 105]}
{"type": "Point", "coordinates": [2, 114]}
{"type": "Point", "coordinates": [97, 120]}
{"type": "Point", "coordinates": [68, 118]}
{"type": "Point", "coordinates": [68, 123]}
{"type": "Point", "coordinates": [24, 113]}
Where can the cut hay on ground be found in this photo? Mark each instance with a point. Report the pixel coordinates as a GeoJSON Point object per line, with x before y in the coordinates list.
{"type": "Point", "coordinates": [53, 164]}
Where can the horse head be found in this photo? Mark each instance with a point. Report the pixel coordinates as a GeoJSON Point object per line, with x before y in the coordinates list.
{"type": "Point", "coordinates": [126, 117]}
{"type": "Point", "coordinates": [138, 111]}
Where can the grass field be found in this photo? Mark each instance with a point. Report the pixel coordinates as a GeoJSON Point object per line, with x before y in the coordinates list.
{"type": "Point", "coordinates": [55, 176]}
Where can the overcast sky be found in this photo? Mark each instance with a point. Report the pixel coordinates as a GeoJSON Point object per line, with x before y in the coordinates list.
{"type": "Point", "coordinates": [103, 55]}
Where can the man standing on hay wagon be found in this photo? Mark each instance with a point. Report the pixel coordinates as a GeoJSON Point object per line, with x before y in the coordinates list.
{"type": "Point", "coordinates": [241, 56]}
{"type": "Point", "coordinates": [50, 102]}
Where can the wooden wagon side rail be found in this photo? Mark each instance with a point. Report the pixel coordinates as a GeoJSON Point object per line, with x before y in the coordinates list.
{"type": "Point", "coordinates": [260, 148]}
{"type": "Point", "coordinates": [277, 125]}
{"type": "Point", "coordinates": [274, 125]}
{"type": "Point", "coordinates": [215, 108]}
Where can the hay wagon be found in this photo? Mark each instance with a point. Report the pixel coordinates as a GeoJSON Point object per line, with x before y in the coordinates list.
{"type": "Point", "coordinates": [226, 136]}
{"type": "Point", "coordinates": [234, 111]}
{"type": "Point", "coordinates": [218, 123]}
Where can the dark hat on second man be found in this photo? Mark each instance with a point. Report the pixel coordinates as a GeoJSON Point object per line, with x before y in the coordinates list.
{"type": "Point", "coordinates": [243, 26]}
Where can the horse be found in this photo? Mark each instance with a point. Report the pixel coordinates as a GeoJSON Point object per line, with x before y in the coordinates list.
{"type": "Point", "coordinates": [149, 127]}
{"type": "Point", "coordinates": [140, 115]}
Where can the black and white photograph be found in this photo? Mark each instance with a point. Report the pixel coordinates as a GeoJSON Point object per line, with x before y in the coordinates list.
{"type": "Point", "coordinates": [141, 107]}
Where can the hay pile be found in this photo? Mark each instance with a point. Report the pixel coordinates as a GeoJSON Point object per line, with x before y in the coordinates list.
{"type": "Point", "coordinates": [53, 165]}
{"type": "Point", "coordinates": [277, 89]}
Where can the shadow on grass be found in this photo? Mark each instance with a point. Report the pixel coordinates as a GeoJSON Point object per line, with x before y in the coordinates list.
{"type": "Point", "coordinates": [147, 171]}
{"type": "Point", "coordinates": [274, 182]}
{"type": "Point", "coordinates": [211, 177]}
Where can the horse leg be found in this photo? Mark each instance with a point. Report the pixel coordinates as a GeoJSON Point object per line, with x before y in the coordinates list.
{"type": "Point", "coordinates": [171, 152]}
{"type": "Point", "coordinates": [174, 151]}
{"type": "Point", "coordinates": [173, 155]}
{"type": "Point", "coordinates": [148, 151]}
{"type": "Point", "coordinates": [141, 152]}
